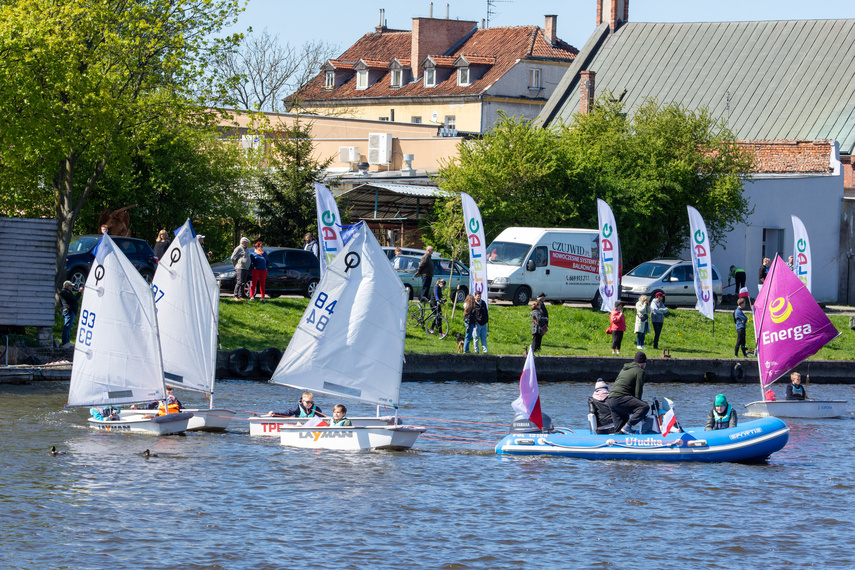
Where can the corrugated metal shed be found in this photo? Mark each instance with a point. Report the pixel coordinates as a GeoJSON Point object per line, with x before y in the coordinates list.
{"type": "Point", "coordinates": [776, 80]}
{"type": "Point", "coordinates": [388, 201]}
{"type": "Point", "coordinates": [27, 273]}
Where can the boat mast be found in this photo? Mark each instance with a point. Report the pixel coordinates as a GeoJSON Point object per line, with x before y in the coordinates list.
{"type": "Point", "coordinates": [758, 328]}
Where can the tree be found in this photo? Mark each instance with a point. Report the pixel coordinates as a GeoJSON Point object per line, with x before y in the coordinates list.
{"type": "Point", "coordinates": [648, 167]}
{"type": "Point", "coordinates": [84, 81]}
{"type": "Point", "coordinates": [261, 70]}
{"type": "Point", "coordinates": [286, 208]}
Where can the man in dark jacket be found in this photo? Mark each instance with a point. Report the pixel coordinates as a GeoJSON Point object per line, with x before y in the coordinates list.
{"type": "Point", "coordinates": [68, 300]}
{"type": "Point", "coordinates": [625, 398]}
{"type": "Point", "coordinates": [482, 316]}
{"type": "Point", "coordinates": [426, 271]}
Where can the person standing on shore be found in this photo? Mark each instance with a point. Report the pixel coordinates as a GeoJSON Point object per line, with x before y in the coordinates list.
{"type": "Point", "coordinates": [69, 301]}
{"type": "Point", "coordinates": [311, 244]}
{"type": "Point", "coordinates": [539, 321]}
{"type": "Point", "coordinates": [740, 320]}
{"type": "Point", "coordinates": [642, 320]}
{"type": "Point", "coordinates": [469, 321]}
{"type": "Point", "coordinates": [482, 317]}
{"type": "Point", "coordinates": [242, 262]}
{"type": "Point", "coordinates": [657, 316]}
{"type": "Point", "coordinates": [425, 270]}
{"type": "Point", "coordinates": [161, 244]}
{"type": "Point", "coordinates": [260, 262]}
{"type": "Point", "coordinates": [617, 326]}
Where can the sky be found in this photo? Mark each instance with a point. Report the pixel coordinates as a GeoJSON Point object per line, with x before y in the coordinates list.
{"type": "Point", "coordinates": [342, 22]}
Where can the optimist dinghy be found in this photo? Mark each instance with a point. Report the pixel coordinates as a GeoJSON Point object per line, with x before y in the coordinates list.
{"type": "Point", "coordinates": [532, 433]}
{"type": "Point", "coordinates": [350, 345]}
{"type": "Point", "coordinates": [790, 327]}
{"type": "Point", "coordinates": [187, 298]}
{"type": "Point", "coordinates": [117, 356]}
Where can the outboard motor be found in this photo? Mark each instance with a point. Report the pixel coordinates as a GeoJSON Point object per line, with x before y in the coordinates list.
{"type": "Point", "coordinates": [522, 424]}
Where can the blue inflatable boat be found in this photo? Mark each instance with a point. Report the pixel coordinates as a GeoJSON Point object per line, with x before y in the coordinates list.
{"type": "Point", "coordinates": [752, 441]}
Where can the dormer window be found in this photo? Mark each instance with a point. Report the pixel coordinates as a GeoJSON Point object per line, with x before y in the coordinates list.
{"type": "Point", "coordinates": [430, 77]}
{"type": "Point", "coordinates": [362, 79]}
{"type": "Point", "coordinates": [397, 77]}
{"type": "Point", "coordinates": [463, 76]}
{"type": "Point", "coordinates": [329, 79]}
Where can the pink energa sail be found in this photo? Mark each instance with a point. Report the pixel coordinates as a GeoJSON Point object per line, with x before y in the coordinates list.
{"type": "Point", "coordinates": [789, 324]}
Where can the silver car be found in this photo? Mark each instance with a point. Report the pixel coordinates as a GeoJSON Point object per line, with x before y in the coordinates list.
{"type": "Point", "coordinates": [674, 277]}
{"type": "Point", "coordinates": [455, 274]}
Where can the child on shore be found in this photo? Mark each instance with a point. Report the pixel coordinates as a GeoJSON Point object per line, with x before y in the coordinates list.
{"type": "Point", "coordinates": [339, 416]}
{"type": "Point", "coordinates": [617, 326]}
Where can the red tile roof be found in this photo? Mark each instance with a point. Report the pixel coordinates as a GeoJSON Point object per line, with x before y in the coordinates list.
{"type": "Point", "coordinates": [497, 48]}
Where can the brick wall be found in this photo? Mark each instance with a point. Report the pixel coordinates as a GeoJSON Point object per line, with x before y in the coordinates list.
{"type": "Point", "coordinates": [432, 36]}
{"type": "Point", "coordinates": [848, 172]}
{"type": "Point", "coordinates": [790, 156]}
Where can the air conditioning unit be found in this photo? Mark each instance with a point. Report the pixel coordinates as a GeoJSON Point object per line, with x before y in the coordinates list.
{"type": "Point", "coordinates": [379, 148]}
{"type": "Point", "coordinates": [348, 154]}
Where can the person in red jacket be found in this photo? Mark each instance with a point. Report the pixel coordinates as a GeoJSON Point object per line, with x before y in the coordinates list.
{"type": "Point", "coordinates": [617, 326]}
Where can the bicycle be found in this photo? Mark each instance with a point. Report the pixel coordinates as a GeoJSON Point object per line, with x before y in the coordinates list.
{"type": "Point", "coordinates": [418, 317]}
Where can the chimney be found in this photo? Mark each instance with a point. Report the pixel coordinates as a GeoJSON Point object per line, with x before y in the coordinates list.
{"type": "Point", "coordinates": [551, 29]}
{"type": "Point", "coordinates": [381, 27]}
{"type": "Point", "coordinates": [586, 91]}
{"type": "Point", "coordinates": [435, 37]}
{"type": "Point", "coordinates": [615, 12]}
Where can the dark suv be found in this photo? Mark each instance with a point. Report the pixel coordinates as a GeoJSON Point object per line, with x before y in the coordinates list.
{"type": "Point", "coordinates": [291, 271]}
{"type": "Point", "coordinates": [79, 258]}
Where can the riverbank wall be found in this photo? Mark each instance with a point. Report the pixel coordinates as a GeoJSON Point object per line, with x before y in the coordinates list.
{"type": "Point", "coordinates": [252, 365]}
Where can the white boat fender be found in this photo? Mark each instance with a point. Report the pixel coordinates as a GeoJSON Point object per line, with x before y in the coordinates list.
{"type": "Point", "coordinates": [611, 442]}
{"type": "Point", "coordinates": [524, 442]}
{"type": "Point", "coordinates": [241, 362]}
{"type": "Point", "coordinates": [697, 443]}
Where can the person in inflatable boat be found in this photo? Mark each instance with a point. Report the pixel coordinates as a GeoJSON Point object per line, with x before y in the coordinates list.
{"type": "Point", "coordinates": [722, 416]}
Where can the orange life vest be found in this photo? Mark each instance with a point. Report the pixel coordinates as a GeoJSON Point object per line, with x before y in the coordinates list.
{"type": "Point", "coordinates": [171, 408]}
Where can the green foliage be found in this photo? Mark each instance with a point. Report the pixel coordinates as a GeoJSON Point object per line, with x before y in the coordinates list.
{"type": "Point", "coordinates": [648, 167]}
{"type": "Point", "coordinates": [286, 208]}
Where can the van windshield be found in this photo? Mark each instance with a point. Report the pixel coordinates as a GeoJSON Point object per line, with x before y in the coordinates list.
{"type": "Point", "coordinates": [506, 253]}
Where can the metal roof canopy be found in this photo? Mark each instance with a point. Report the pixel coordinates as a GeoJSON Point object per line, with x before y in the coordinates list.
{"type": "Point", "coordinates": [387, 201]}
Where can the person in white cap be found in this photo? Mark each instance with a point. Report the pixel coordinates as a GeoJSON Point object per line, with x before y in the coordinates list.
{"type": "Point", "coordinates": [242, 262]}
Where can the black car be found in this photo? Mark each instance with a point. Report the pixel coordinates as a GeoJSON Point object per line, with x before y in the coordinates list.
{"type": "Point", "coordinates": [80, 256]}
{"type": "Point", "coordinates": [290, 271]}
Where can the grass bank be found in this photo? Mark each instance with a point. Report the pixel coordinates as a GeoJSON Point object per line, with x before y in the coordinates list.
{"type": "Point", "coordinates": [572, 331]}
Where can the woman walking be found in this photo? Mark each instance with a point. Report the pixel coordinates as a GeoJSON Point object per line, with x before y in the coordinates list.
{"type": "Point", "coordinates": [642, 320]}
{"type": "Point", "coordinates": [617, 326]}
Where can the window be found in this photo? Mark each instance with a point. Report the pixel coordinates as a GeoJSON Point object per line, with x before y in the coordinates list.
{"type": "Point", "coordinates": [417, 120]}
{"type": "Point", "coordinates": [450, 122]}
{"type": "Point", "coordinates": [463, 76]}
{"type": "Point", "coordinates": [540, 256]}
{"type": "Point", "coordinates": [276, 259]}
{"type": "Point", "coordinates": [330, 80]}
{"type": "Point", "coordinates": [397, 77]}
{"type": "Point", "coordinates": [534, 79]}
{"type": "Point", "coordinates": [430, 78]}
{"type": "Point", "coordinates": [362, 79]}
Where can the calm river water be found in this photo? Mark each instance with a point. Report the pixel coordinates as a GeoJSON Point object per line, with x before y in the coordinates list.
{"type": "Point", "coordinates": [231, 501]}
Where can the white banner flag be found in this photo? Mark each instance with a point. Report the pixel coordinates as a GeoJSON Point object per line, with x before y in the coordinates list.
{"type": "Point", "coordinates": [477, 246]}
{"type": "Point", "coordinates": [801, 252]}
{"type": "Point", "coordinates": [609, 257]}
{"type": "Point", "coordinates": [699, 242]}
{"type": "Point", "coordinates": [329, 233]}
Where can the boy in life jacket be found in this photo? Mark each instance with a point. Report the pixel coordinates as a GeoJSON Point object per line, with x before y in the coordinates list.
{"type": "Point", "coordinates": [339, 416]}
{"type": "Point", "coordinates": [795, 391]}
{"type": "Point", "coordinates": [305, 408]}
{"type": "Point", "coordinates": [173, 406]}
{"type": "Point", "coordinates": [722, 416]}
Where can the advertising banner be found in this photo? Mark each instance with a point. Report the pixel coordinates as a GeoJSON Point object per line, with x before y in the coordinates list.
{"type": "Point", "coordinates": [801, 253]}
{"type": "Point", "coordinates": [477, 246]}
{"type": "Point", "coordinates": [699, 243]}
{"type": "Point", "coordinates": [609, 257]}
{"type": "Point", "coordinates": [329, 233]}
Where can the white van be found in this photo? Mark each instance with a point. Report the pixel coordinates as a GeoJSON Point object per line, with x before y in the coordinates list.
{"type": "Point", "coordinates": [563, 263]}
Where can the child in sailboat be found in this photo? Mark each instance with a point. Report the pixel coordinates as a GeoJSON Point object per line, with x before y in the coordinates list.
{"type": "Point", "coordinates": [305, 408]}
{"type": "Point", "coordinates": [796, 391]}
{"type": "Point", "coordinates": [339, 416]}
{"type": "Point", "coordinates": [107, 414]}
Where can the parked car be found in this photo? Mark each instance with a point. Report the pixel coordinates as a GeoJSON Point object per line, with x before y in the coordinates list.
{"type": "Point", "coordinates": [674, 277]}
{"type": "Point", "coordinates": [390, 252]}
{"type": "Point", "coordinates": [80, 256]}
{"type": "Point", "coordinates": [455, 273]}
{"type": "Point", "coordinates": [290, 271]}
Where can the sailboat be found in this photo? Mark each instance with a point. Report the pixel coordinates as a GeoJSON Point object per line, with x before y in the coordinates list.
{"type": "Point", "coordinates": [790, 327]}
{"type": "Point", "coordinates": [187, 298]}
{"type": "Point", "coordinates": [350, 345]}
{"type": "Point", "coordinates": [117, 358]}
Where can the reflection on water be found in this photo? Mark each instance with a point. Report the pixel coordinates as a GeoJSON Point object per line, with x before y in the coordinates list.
{"type": "Point", "coordinates": [231, 501]}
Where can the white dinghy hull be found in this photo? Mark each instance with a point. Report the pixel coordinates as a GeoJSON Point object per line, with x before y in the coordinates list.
{"type": "Point", "coordinates": [138, 423]}
{"type": "Point", "coordinates": [798, 409]}
{"type": "Point", "coordinates": [354, 438]}
{"type": "Point", "coordinates": [210, 419]}
{"type": "Point", "coordinates": [267, 426]}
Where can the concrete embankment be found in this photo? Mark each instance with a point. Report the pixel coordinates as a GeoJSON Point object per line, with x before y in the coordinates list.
{"type": "Point", "coordinates": [259, 365]}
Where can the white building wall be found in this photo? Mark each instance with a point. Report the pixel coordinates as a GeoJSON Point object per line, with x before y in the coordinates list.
{"type": "Point", "coordinates": [816, 200]}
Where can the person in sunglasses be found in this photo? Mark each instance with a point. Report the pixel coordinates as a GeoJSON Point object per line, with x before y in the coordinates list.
{"type": "Point", "coordinates": [305, 408]}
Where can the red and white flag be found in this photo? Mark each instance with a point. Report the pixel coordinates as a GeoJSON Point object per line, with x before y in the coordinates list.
{"type": "Point", "coordinates": [528, 404]}
{"type": "Point", "coordinates": [743, 293]}
{"type": "Point", "coordinates": [669, 420]}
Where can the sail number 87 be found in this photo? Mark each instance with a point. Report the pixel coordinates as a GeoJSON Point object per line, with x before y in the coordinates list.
{"type": "Point", "coordinates": [321, 306]}
{"type": "Point", "coordinates": [85, 327]}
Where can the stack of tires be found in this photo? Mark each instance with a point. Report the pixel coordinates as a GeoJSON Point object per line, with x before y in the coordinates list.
{"type": "Point", "coordinates": [244, 363]}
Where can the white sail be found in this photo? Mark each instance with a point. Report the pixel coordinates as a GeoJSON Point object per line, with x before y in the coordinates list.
{"type": "Point", "coordinates": [116, 352]}
{"type": "Point", "coordinates": [188, 302]}
{"type": "Point", "coordinates": [350, 340]}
